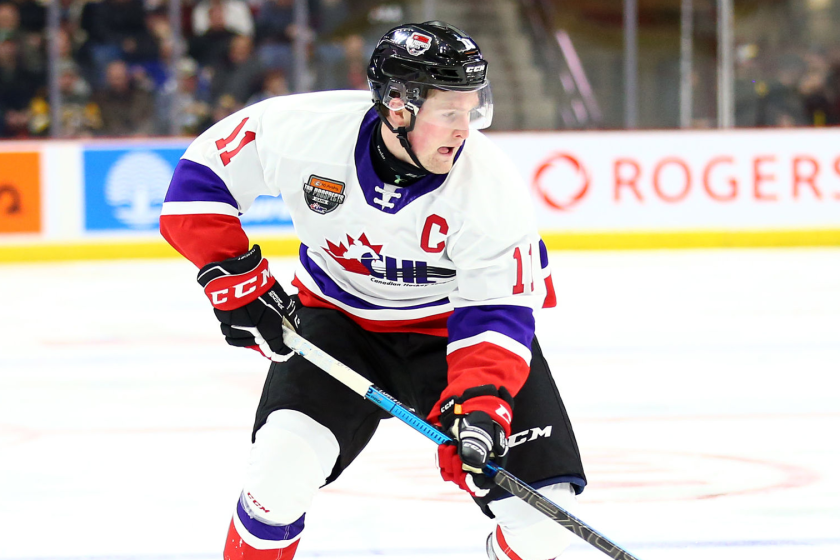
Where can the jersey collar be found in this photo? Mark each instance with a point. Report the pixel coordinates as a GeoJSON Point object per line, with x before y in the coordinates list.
{"type": "Point", "coordinates": [377, 193]}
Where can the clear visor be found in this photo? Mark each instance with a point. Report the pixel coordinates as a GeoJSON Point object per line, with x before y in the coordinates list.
{"type": "Point", "coordinates": [450, 108]}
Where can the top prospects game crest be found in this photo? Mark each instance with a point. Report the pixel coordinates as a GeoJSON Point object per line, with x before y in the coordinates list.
{"type": "Point", "coordinates": [323, 195]}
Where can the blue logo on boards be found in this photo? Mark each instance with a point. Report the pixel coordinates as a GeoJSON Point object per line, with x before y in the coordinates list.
{"type": "Point", "coordinates": [125, 188]}
{"type": "Point", "coordinates": [267, 211]}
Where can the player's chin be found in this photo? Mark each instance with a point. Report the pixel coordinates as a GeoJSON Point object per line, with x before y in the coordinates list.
{"type": "Point", "coordinates": [439, 167]}
{"type": "Point", "coordinates": [440, 163]}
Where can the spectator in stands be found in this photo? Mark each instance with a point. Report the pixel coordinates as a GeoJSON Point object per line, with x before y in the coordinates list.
{"type": "Point", "coordinates": [275, 21]}
{"type": "Point", "coordinates": [18, 87]}
{"type": "Point", "coordinates": [819, 110]}
{"type": "Point", "coordinates": [159, 41]}
{"type": "Point", "coordinates": [9, 21]}
{"type": "Point", "coordinates": [127, 110]}
{"type": "Point", "coordinates": [275, 32]}
{"type": "Point", "coordinates": [224, 107]}
{"type": "Point", "coordinates": [356, 60]}
{"type": "Point", "coordinates": [813, 87]}
{"type": "Point", "coordinates": [191, 111]}
{"type": "Point", "coordinates": [832, 88]}
{"type": "Point", "coordinates": [70, 16]}
{"type": "Point", "coordinates": [273, 84]}
{"type": "Point", "coordinates": [33, 15]}
{"type": "Point", "coordinates": [239, 74]}
{"type": "Point", "coordinates": [142, 47]}
{"type": "Point", "coordinates": [236, 13]}
{"type": "Point", "coordinates": [329, 17]}
{"type": "Point", "coordinates": [30, 44]}
{"type": "Point", "coordinates": [211, 47]}
{"type": "Point", "coordinates": [65, 46]}
{"type": "Point", "coordinates": [116, 30]}
{"type": "Point", "coordinates": [779, 101]}
{"type": "Point", "coordinates": [345, 68]}
{"type": "Point", "coordinates": [80, 118]}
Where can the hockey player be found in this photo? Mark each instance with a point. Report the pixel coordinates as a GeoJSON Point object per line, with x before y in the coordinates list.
{"type": "Point", "coordinates": [420, 268]}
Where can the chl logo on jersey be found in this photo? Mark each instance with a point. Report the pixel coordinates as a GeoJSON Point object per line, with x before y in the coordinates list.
{"type": "Point", "coordinates": [323, 195]}
{"type": "Point", "coordinates": [360, 256]}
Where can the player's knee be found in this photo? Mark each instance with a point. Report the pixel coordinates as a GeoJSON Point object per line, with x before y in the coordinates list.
{"type": "Point", "coordinates": [291, 458]}
{"type": "Point", "coordinates": [526, 533]}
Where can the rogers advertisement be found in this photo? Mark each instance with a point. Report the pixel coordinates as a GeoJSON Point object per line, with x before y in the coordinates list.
{"type": "Point", "coordinates": [681, 180]}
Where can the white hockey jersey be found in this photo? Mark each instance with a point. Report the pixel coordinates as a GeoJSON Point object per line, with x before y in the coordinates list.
{"type": "Point", "coordinates": [454, 255]}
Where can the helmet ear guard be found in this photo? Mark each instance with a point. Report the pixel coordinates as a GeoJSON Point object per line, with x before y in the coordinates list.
{"type": "Point", "coordinates": [397, 96]}
{"type": "Point", "coordinates": [401, 131]}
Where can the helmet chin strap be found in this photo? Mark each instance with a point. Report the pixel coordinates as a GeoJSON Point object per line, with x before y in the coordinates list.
{"type": "Point", "coordinates": [402, 136]}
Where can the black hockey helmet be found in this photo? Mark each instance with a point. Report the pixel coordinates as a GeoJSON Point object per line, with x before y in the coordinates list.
{"type": "Point", "coordinates": [413, 58]}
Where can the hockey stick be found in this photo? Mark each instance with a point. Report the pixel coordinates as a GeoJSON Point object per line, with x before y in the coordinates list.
{"type": "Point", "coordinates": [501, 477]}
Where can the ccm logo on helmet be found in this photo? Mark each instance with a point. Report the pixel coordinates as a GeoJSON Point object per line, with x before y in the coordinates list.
{"type": "Point", "coordinates": [477, 72]}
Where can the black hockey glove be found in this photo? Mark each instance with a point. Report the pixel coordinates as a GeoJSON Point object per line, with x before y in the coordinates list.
{"type": "Point", "coordinates": [479, 421]}
{"type": "Point", "coordinates": [250, 304]}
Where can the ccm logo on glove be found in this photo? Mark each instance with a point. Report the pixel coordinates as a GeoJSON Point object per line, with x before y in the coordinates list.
{"type": "Point", "coordinates": [230, 292]}
{"type": "Point", "coordinates": [250, 304]}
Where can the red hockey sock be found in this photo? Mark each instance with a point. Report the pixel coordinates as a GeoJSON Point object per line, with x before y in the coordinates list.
{"type": "Point", "coordinates": [237, 549]}
{"type": "Point", "coordinates": [503, 547]}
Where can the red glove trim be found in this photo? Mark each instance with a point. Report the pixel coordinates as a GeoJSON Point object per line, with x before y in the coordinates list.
{"type": "Point", "coordinates": [497, 408]}
{"type": "Point", "coordinates": [234, 291]}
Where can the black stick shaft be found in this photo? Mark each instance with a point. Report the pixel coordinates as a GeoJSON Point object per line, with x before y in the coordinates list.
{"type": "Point", "coordinates": [537, 501]}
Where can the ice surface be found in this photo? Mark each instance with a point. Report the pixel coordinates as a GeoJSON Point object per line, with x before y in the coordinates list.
{"type": "Point", "coordinates": [703, 386]}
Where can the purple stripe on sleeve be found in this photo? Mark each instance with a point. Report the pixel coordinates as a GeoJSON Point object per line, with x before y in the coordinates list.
{"type": "Point", "coordinates": [543, 255]}
{"type": "Point", "coordinates": [512, 321]}
{"type": "Point", "coordinates": [193, 182]}
{"type": "Point", "coordinates": [269, 532]}
{"type": "Point", "coordinates": [330, 289]}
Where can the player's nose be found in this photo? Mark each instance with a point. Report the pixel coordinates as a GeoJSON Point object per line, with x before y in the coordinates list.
{"type": "Point", "coordinates": [462, 133]}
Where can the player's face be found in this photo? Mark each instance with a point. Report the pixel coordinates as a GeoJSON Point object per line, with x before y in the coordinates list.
{"type": "Point", "coordinates": [443, 124]}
